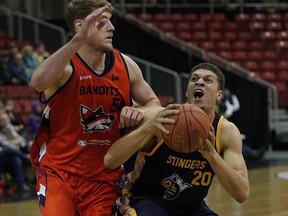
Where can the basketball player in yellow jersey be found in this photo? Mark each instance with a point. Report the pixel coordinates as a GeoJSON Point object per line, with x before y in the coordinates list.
{"type": "Point", "coordinates": [162, 185]}
{"type": "Point", "coordinates": [88, 88]}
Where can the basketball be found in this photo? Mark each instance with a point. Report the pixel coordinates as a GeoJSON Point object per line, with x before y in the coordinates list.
{"type": "Point", "coordinates": [191, 128]}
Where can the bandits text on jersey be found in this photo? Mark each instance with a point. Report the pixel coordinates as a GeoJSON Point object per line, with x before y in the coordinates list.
{"type": "Point", "coordinates": [99, 90]}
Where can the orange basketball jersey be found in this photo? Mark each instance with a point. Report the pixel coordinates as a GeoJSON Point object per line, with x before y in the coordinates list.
{"type": "Point", "coordinates": [80, 121]}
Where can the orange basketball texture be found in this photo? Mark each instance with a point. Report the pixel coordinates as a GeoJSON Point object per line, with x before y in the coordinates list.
{"type": "Point", "coordinates": [191, 128]}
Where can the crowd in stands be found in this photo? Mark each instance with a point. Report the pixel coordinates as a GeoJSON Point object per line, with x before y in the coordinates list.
{"type": "Point", "coordinates": [19, 63]}
{"type": "Point", "coordinates": [16, 130]}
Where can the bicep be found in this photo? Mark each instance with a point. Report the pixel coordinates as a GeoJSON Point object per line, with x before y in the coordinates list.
{"type": "Point", "coordinates": [60, 81]}
{"type": "Point", "coordinates": [141, 92]}
{"type": "Point", "coordinates": [232, 149]}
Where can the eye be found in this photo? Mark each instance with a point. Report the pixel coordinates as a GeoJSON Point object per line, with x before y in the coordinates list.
{"type": "Point", "coordinates": [102, 23]}
{"type": "Point", "coordinates": [194, 79]}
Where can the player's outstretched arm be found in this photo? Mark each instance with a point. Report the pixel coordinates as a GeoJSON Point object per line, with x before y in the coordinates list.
{"type": "Point", "coordinates": [151, 127]}
{"type": "Point", "coordinates": [56, 67]}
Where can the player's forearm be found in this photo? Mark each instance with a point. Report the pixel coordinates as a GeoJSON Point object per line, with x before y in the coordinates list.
{"type": "Point", "coordinates": [125, 147]}
{"type": "Point", "coordinates": [235, 182]}
{"type": "Point", "coordinates": [50, 69]}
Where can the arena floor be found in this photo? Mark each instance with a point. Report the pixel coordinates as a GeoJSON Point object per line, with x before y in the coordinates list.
{"type": "Point", "coordinates": [269, 192]}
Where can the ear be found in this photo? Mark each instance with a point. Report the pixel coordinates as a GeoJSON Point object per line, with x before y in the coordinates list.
{"type": "Point", "coordinates": [219, 95]}
{"type": "Point", "coordinates": [78, 25]}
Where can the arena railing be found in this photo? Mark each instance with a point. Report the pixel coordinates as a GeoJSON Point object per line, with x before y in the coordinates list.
{"type": "Point", "coordinates": [20, 26]}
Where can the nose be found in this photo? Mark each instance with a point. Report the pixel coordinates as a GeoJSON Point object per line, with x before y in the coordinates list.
{"type": "Point", "coordinates": [111, 26]}
{"type": "Point", "coordinates": [200, 81]}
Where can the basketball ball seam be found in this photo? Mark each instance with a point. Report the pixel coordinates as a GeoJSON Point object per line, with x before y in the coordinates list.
{"type": "Point", "coordinates": [199, 123]}
{"type": "Point", "coordinates": [187, 127]}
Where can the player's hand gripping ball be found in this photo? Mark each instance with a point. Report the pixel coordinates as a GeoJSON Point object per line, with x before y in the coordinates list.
{"type": "Point", "coordinates": [191, 128]}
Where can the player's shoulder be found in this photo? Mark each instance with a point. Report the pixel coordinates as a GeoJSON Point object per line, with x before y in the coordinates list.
{"type": "Point", "coordinates": [229, 132]}
{"type": "Point", "coordinates": [228, 126]}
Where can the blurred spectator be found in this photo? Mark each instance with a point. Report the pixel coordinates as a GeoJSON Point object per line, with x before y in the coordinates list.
{"type": "Point", "coordinates": [34, 120]}
{"type": "Point", "coordinates": [12, 161]}
{"type": "Point", "coordinates": [4, 72]}
{"type": "Point", "coordinates": [17, 71]}
{"type": "Point", "coordinates": [41, 53]}
{"type": "Point", "coordinates": [29, 58]}
{"type": "Point", "coordinates": [15, 117]}
{"type": "Point", "coordinates": [229, 104]}
{"type": "Point", "coordinates": [9, 136]}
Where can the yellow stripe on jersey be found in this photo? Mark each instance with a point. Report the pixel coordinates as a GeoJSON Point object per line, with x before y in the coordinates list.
{"type": "Point", "coordinates": [218, 147]}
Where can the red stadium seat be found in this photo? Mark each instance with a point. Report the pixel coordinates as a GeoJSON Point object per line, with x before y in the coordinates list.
{"type": "Point", "coordinates": [251, 65]}
{"type": "Point", "coordinates": [282, 47]}
{"type": "Point", "coordinates": [215, 35]}
{"type": "Point", "coordinates": [274, 26]}
{"type": "Point", "coordinates": [244, 35]}
{"type": "Point", "coordinates": [268, 35]}
{"type": "Point", "coordinates": [268, 65]}
{"type": "Point", "coordinates": [230, 35]}
{"type": "Point", "coordinates": [145, 17]}
{"type": "Point", "coordinates": [230, 26]}
{"type": "Point", "coordinates": [225, 54]}
{"type": "Point", "coordinates": [255, 45]}
{"type": "Point", "coordinates": [242, 18]}
{"type": "Point", "coordinates": [184, 35]}
{"type": "Point", "coordinates": [282, 65]}
{"type": "Point", "coordinates": [177, 17]}
{"type": "Point", "coordinates": [255, 55]}
{"type": "Point", "coordinates": [239, 55]}
{"type": "Point", "coordinates": [223, 45]}
{"type": "Point", "coordinates": [182, 26]}
{"type": "Point", "coordinates": [268, 38]}
{"type": "Point", "coordinates": [258, 17]}
{"type": "Point", "coordinates": [219, 17]}
{"type": "Point", "coordinates": [198, 26]}
{"type": "Point", "coordinates": [160, 17]}
{"type": "Point", "coordinates": [170, 33]}
{"type": "Point", "coordinates": [269, 55]}
{"type": "Point", "coordinates": [207, 45]}
{"type": "Point", "coordinates": [268, 75]}
{"type": "Point", "coordinates": [215, 26]}
{"type": "Point", "coordinates": [277, 17]}
{"type": "Point", "coordinates": [285, 17]}
{"type": "Point", "coordinates": [205, 17]}
{"type": "Point", "coordinates": [257, 26]}
{"type": "Point", "coordinates": [239, 45]}
{"type": "Point", "coordinates": [166, 26]}
{"type": "Point", "coordinates": [190, 17]}
{"type": "Point", "coordinates": [281, 86]}
{"type": "Point", "coordinates": [283, 75]}
{"type": "Point", "coordinates": [201, 35]}
{"type": "Point", "coordinates": [282, 35]}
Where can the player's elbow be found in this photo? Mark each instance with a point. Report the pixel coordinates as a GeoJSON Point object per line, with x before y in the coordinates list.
{"type": "Point", "coordinates": [242, 196]}
{"type": "Point", "coordinates": [36, 83]}
{"type": "Point", "coordinates": [109, 162]}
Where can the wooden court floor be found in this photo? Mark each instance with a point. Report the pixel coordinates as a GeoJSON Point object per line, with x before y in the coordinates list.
{"type": "Point", "coordinates": [268, 197]}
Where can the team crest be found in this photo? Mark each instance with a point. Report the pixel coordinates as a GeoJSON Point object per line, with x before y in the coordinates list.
{"type": "Point", "coordinates": [174, 186]}
{"type": "Point", "coordinates": [95, 120]}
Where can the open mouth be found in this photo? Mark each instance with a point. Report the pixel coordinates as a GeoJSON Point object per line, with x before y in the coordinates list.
{"type": "Point", "coordinates": [198, 93]}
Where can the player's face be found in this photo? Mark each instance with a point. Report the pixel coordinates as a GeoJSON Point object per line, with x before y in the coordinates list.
{"type": "Point", "coordinates": [103, 41]}
{"type": "Point", "coordinates": [203, 89]}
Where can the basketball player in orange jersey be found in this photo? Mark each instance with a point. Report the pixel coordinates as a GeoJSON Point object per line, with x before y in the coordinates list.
{"type": "Point", "coordinates": [164, 182]}
{"type": "Point", "coordinates": [88, 88]}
